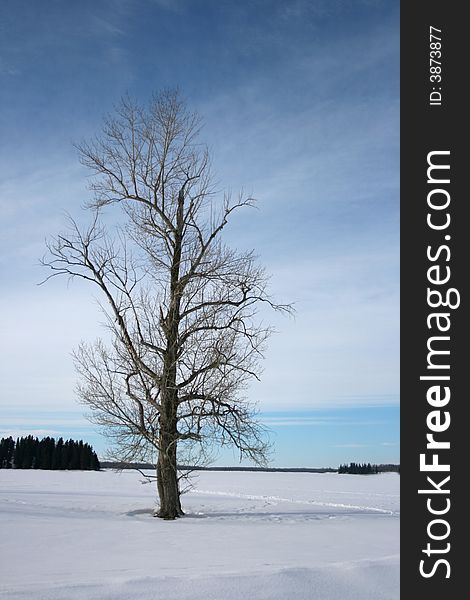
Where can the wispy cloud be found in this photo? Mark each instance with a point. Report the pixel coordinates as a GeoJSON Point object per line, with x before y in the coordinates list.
{"type": "Point", "coordinates": [325, 422]}
{"type": "Point", "coordinates": [7, 68]}
{"type": "Point", "coordinates": [16, 433]}
{"type": "Point", "coordinates": [105, 26]}
{"type": "Point", "coordinates": [350, 446]}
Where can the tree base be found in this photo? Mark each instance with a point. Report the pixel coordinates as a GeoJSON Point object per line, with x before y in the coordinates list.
{"type": "Point", "coordinates": [167, 516]}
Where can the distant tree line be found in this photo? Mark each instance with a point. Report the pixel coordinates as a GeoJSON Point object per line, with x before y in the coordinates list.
{"type": "Point", "coordinates": [150, 466]}
{"type": "Point", "coordinates": [367, 469]}
{"type": "Point", "coordinates": [31, 453]}
{"type": "Point", "coordinates": [358, 469]}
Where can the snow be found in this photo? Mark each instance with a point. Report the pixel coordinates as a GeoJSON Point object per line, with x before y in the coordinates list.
{"type": "Point", "coordinates": [300, 536]}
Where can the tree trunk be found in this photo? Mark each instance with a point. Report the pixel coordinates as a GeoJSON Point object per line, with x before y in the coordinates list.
{"type": "Point", "coordinates": [167, 484]}
{"type": "Point", "coordinates": [167, 474]}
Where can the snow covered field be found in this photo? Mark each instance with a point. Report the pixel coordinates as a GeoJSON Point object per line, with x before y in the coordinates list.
{"type": "Point", "coordinates": [256, 536]}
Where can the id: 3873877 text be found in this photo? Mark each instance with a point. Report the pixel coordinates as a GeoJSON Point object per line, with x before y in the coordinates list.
{"type": "Point", "coordinates": [435, 66]}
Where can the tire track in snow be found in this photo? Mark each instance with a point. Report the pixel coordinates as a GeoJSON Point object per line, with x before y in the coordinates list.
{"type": "Point", "coordinates": [294, 501]}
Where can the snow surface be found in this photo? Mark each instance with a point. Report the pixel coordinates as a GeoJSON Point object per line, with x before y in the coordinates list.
{"type": "Point", "coordinates": [257, 536]}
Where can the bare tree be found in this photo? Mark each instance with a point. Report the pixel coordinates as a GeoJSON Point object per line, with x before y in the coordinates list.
{"type": "Point", "coordinates": [181, 305]}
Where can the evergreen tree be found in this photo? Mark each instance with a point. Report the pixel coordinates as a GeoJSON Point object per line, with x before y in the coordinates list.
{"type": "Point", "coordinates": [95, 462]}
{"type": "Point", "coordinates": [35, 453]}
{"type": "Point", "coordinates": [18, 454]}
{"type": "Point", "coordinates": [27, 452]}
{"type": "Point", "coordinates": [7, 448]}
{"type": "Point", "coordinates": [74, 456]}
{"type": "Point", "coordinates": [86, 457]}
{"type": "Point", "coordinates": [3, 453]}
{"type": "Point", "coordinates": [57, 456]}
{"type": "Point", "coordinates": [81, 455]}
{"type": "Point", "coordinates": [10, 452]}
{"type": "Point", "coordinates": [65, 459]}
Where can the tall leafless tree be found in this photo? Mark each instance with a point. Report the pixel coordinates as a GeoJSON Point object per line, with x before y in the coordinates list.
{"type": "Point", "coordinates": [181, 305]}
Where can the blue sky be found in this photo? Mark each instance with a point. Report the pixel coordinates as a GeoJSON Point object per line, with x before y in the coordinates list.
{"type": "Point", "coordinates": [301, 110]}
